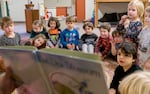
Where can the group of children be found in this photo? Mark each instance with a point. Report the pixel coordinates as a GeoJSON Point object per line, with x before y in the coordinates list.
{"type": "Point", "coordinates": [128, 44]}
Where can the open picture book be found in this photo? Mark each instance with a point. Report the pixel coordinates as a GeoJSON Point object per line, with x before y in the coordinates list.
{"type": "Point", "coordinates": [55, 71]}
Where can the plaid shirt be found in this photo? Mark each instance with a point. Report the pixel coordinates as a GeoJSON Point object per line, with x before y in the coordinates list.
{"type": "Point", "coordinates": [105, 43]}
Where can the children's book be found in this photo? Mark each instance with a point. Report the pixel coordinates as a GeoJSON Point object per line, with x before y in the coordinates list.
{"type": "Point", "coordinates": [55, 71]}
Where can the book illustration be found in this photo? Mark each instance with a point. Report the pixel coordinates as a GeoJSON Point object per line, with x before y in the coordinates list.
{"type": "Point", "coordinates": [54, 71]}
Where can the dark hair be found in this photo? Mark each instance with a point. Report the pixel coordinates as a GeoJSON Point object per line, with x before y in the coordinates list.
{"type": "Point", "coordinates": [89, 24]}
{"type": "Point", "coordinates": [117, 33]}
{"type": "Point", "coordinates": [105, 25]}
{"type": "Point", "coordinates": [54, 19]}
{"type": "Point", "coordinates": [129, 48]}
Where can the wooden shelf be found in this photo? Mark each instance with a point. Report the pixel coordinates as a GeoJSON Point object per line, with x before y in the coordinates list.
{"type": "Point", "coordinates": [31, 15]}
{"type": "Point", "coordinates": [111, 1]}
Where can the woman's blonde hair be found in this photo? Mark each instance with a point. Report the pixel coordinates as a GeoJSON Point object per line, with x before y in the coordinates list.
{"type": "Point", "coordinates": [136, 83]}
{"type": "Point", "coordinates": [139, 5]}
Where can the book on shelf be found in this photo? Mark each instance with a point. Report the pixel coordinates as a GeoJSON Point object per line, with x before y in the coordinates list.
{"type": "Point", "coordinates": [55, 71]}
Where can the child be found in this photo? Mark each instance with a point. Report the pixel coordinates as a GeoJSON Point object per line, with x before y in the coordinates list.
{"type": "Point", "coordinates": [10, 38]}
{"type": "Point", "coordinates": [38, 28]}
{"type": "Point", "coordinates": [126, 57]}
{"type": "Point", "coordinates": [103, 46]}
{"type": "Point", "coordinates": [70, 36]}
{"type": "Point", "coordinates": [116, 41]}
{"type": "Point", "coordinates": [136, 83]}
{"type": "Point", "coordinates": [88, 40]}
{"type": "Point", "coordinates": [39, 41]}
{"type": "Point", "coordinates": [135, 13]}
{"type": "Point", "coordinates": [53, 33]}
{"type": "Point", "coordinates": [144, 39]}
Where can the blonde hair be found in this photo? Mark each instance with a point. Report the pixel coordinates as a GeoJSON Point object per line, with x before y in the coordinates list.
{"type": "Point", "coordinates": [139, 6]}
{"type": "Point", "coordinates": [147, 9]}
{"type": "Point", "coordinates": [70, 19]}
{"type": "Point", "coordinates": [136, 83]}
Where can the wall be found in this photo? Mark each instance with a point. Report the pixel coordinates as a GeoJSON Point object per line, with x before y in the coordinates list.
{"type": "Point", "coordinates": [89, 8]}
{"type": "Point", "coordinates": [111, 7]}
{"type": "Point", "coordinates": [17, 9]}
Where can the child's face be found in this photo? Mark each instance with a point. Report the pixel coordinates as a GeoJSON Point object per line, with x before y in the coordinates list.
{"type": "Point", "coordinates": [36, 28]}
{"type": "Point", "coordinates": [147, 18]}
{"type": "Point", "coordinates": [52, 24]}
{"type": "Point", "coordinates": [118, 39]}
{"type": "Point", "coordinates": [70, 25]}
{"type": "Point", "coordinates": [38, 42]}
{"type": "Point", "coordinates": [8, 28]}
{"type": "Point", "coordinates": [132, 12]}
{"type": "Point", "coordinates": [124, 60]}
{"type": "Point", "coordinates": [88, 30]}
{"type": "Point", "coordinates": [104, 33]}
{"type": "Point", "coordinates": [147, 65]}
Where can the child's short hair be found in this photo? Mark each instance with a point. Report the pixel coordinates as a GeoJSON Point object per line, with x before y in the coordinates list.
{"type": "Point", "coordinates": [128, 48]}
{"type": "Point", "coordinates": [147, 9]}
{"type": "Point", "coordinates": [105, 26]}
{"type": "Point", "coordinates": [54, 19]}
{"type": "Point", "coordinates": [71, 19]}
{"type": "Point", "coordinates": [136, 83]}
{"type": "Point", "coordinates": [117, 33]}
{"type": "Point", "coordinates": [39, 23]}
{"type": "Point", "coordinates": [139, 5]}
{"type": "Point", "coordinates": [89, 24]}
{"type": "Point", "coordinates": [42, 36]}
{"type": "Point", "coordinates": [6, 21]}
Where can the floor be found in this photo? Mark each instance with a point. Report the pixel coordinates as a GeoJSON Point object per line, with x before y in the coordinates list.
{"type": "Point", "coordinates": [109, 66]}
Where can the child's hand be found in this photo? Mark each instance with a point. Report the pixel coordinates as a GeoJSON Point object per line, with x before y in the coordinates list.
{"type": "Point", "coordinates": [69, 46]}
{"type": "Point", "coordinates": [73, 46]}
{"type": "Point", "coordinates": [112, 91]}
{"type": "Point", "coordinates": [123, 19]}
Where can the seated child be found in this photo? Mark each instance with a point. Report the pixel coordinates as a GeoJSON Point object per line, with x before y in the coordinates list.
{"type": "Point", "coordinates": [9, 38]}
{"type": "Point", "coordinates": [39, 41]}
{"type": "Point", "coordinates": [126, 58]}
{"type": "Point", "coordinates": [88, 39]}
{"type": "Point", "coordinates": [144, 39]}
{"type": "Point", "coordinates": [70, 36]}
{"type": "Point", "coordinates": [116, 42]}
{"type": "Point", "coordinates": [53, 33]}
{"type": "Point", "coordinates": [38, 28]}
{"type": "Point", "coordinates": [103, 45]}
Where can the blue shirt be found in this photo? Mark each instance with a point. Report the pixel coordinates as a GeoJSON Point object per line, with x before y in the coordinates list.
{"type": "Point", "coordinates": [69, 37]}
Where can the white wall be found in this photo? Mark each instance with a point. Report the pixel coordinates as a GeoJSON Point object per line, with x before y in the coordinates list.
{"type": "Point", "coordinates": [111, 7]}
{"type": "Point", "coordinates": [89, 7]}
{"type": "Point", "coordinates": [17, 7]}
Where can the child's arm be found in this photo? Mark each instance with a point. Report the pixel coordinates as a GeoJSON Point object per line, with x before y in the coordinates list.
{"type": "Point", "coordinates": [113, 48]}
{"type": "Point", "coordinates": [62, 39]}
{"type": "Point", "coordinates": [97, 46]}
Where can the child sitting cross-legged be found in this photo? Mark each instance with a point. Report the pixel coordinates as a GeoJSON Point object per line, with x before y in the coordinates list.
{"type": "Point", "coordinates": [53, 33]}
{"type": "Point", "coordinates": [69, 37]}
{"type": "Point", "coordinates": [88, 39]}
{"type": "Point", "coordinates": [103, 45]}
